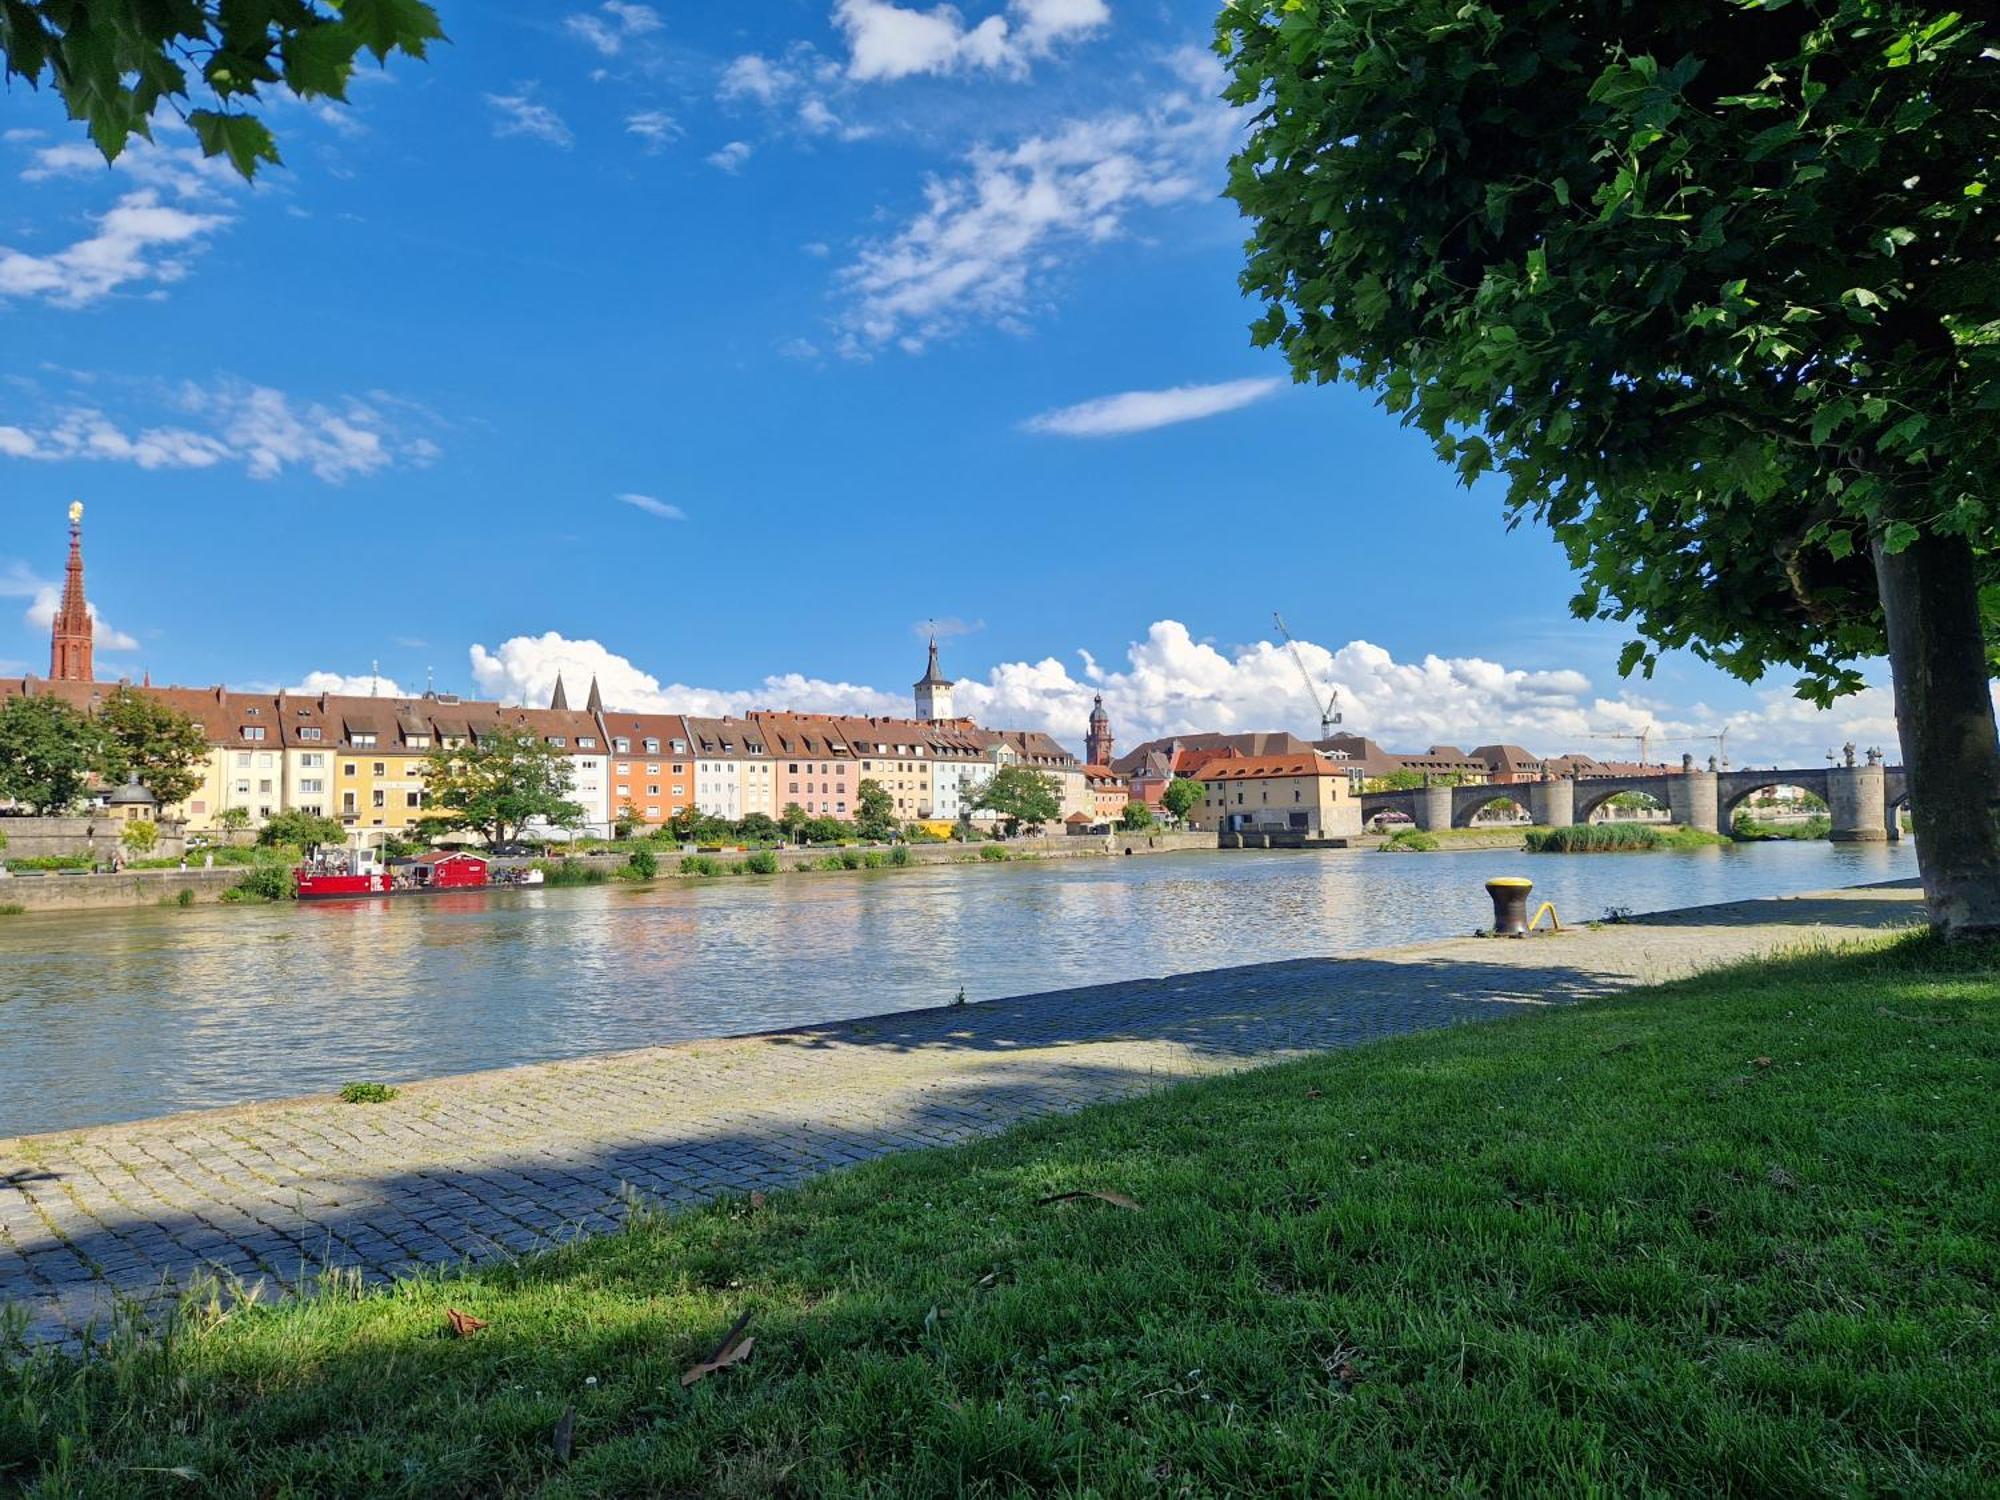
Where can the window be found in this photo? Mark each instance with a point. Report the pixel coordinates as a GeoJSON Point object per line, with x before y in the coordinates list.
{"type": "Point", "coordinates": [653, 747]}
{"type": "Point", "coordinates": [242, 758]}
{"type": "Point", "coordinates": [347, 802]}
{"type": "Point", "coordinates": [560, 741]}
{"type": "Point", "coordinates": [242, 788]}
{"type": "Point", "coordinates": [621, 744]}
{"type": "Point", "coordinates": [586, 742]}
{"type": "Point", "coordinates": [381, 798]}
{"type": "Point", "coordinates": [311, 762]}
{"type": "Point", "coordinates": [679, 790]}
{"type": "Point", "coordinates": [652, 791]}
{"type": "Point", "coordinates": [653, 770]}
{"type": "Point", "coordinates": [308, 733]}
{"type": "Point", "coordinates": [363, 741]}
{"type": "Point", "coordinates": [264, 787]}
{"type": "Point", "coordinates": [264, 761]}
{"type": "Point", "coordinates": [652, 812]}
{"type": "Point", "coordinates": [348, 769]}
{"type": "Point", "coordinates": [413, 799]}
{"type": "Point", "coordinates": [308, 788]}
{"type": "Point", "coordinates": [381, 769]}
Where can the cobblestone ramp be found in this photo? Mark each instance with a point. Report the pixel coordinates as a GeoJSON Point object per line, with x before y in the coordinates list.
{"type": "Point", "coordinates": [506, 1162]}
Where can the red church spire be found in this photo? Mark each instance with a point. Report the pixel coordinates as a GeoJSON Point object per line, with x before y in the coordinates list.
{"type": "Point", "coordinates": [70, 638]}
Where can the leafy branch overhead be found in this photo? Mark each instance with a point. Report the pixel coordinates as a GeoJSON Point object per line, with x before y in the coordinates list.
{"type": "Point", "coordinates": [116, 63]}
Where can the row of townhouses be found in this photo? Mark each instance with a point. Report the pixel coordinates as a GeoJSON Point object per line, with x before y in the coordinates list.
{"type": "Point", "coordinates": [361, 759]}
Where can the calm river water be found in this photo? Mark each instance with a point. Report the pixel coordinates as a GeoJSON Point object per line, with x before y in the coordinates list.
{"type": "Point", "coordinates": [125, 1014]}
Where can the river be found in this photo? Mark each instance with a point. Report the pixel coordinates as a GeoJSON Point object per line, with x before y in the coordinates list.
{"type": "Point", "coordinates": [120, 1015]}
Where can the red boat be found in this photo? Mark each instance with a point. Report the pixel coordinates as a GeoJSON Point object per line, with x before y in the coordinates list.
{"type": "Point", "coordinates": [452, 870]}
{"type": "Point", "coordinates": [330, 875]}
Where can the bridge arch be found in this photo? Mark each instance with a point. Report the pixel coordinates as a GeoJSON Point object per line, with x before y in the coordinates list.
{"type": "Point", "coordinates": [1737, 794]}
{"type": "Point", "coordinates": [1468, 802]}
{"type": "Point", "coordinates": [1593, 792]}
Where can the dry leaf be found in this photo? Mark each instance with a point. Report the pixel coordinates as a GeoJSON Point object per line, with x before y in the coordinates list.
{"type": "Point", "coordinates": [1760, 1062]}
{"type": "Point", "coordinates": [1116, 1200]}
{"type": "Point", "coordinates": [726, 1353]}
{"type": "Point", "coordinates": [565, 1434]}
{"type": "Point", "coordinates": [756, 1200]}
{"type": "Point", "coordinates": [1312, 1093]}
{"type": "Point", "coordinates": [462, 1324]}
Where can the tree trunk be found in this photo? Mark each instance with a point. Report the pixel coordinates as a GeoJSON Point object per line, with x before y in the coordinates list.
{"type": "Point", "coordinates": [1944, 717]}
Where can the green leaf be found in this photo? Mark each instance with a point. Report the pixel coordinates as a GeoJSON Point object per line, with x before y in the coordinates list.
{"type": "Point", "coordinates": [385, 26]}
{"type": "Point", "coordinates": [320, 59]}
{"type": "Point", "coordinates": [242, 138]}
{"type": "Point", "coordinates": [1898, 535]}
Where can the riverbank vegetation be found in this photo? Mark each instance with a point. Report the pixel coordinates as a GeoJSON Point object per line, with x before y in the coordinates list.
{"type": "Point", "coordinates": [1726, 1236]}
{"type": "Point", "coordinates": [1748, 830]}
{"type": "Point", "coordinates": [1598, 838]}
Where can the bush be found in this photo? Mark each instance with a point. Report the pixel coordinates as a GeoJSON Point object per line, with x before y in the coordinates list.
{"type": "Point", "coordinates": [265, 883]}
{"type": "Point", "coordinates": [53, 862]}
{"type": "Point", "coordinates": [993, 852]}
{"type": "Point", "coordinates": [184, 899]}
{"type": "Point", "coordinates": [1748, 830]}
{"type": "Point", "coordinates": [302, 829]}
{"type": "Point", "coordinates": [140, 836]}
{"type": "Point", "coordinates": [901, 856]}
{"type": "Point", "coordinates": [851, 859]}
{"type": "Point", "coordinates": [763, 862]}
{"type": "Point", "coordinates": [824, 831]}
{"type": "Point", "coordinates": [570, 872]}
{"type": "Point", "coordinates": [1601, 838]}
{"type": "Point", "coordinates": [642, 864]}
{"type": "Point", "coordinates": [1410, 841]}
{"type": "Point", "coordinates": [11, 908]}
{"type": "Point", "coordinates": [367, 1093]}
{"type": "Point", "coordinates": [700, 864]}
{"type": "Point", "coordinates": [829, 862]}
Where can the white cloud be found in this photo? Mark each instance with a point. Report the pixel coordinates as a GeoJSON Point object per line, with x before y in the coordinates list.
{"type": "Point", "coordinates": [755, 78]}
{"type": "Point", "coordinates": [347, 685]}
{"type": "Point", "coordinates": [652, 507]}
{"type": "Point", "coordinates": [617, 24]}
{"type": "Point", "coordinates": [991, 238]}
{"type": "Point", "coordinates": [1141, 411]}
{"type": "Point", "coordinates": [886, 41]}
{"type": "Point", "coordinates": [20, 136]}
{"type": "Point", "coordinates": [653, 126]}
{"type": "Point", "coordinates": [138, 240]}
{"type": "Point", "coordinates": [731, 157]}
{"type": "Point", "coordinates": [180, 170]}
{"type": "Point", "coordinates": [520, 114]}
{"type": "Point", "coordinates": [229, 422]}
{"type": "Point", "coordinates": [1173, 684]}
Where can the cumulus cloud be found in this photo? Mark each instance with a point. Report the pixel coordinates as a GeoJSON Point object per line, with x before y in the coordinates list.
{"type": "Point", "coordinates": [991, 238]}
{"type": "Point", "coordinates": [138, 241]}
{"type": "Point", "coordinates": [1171, 683]}
{"type": "Point", "coordinates": [886, 41]}
{"type": "Point", "coordinates": [794, 93]}
{"type": "Point", "coordinates": [612, 25]}
{"type": "Point", "coordinates": [231, 422]}
{"type": "Point", "coordinates": [163, 165]}
{"type": "Point", "coordinates": [731, 157]}
{"type": "Point", "coordinates": [521, 114]}
{"type": "Point", "coordinates": [41, 614]}
{"type": "Point", "coordinates": [652, 507]}
{"type": "Point", "coordinates": [1141, 411]}
{"type": "Point", "coordinates": [347, 685]}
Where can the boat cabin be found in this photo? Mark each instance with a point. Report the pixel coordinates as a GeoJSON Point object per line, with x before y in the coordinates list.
{"type": "Point", "coordinates": [447, 870]}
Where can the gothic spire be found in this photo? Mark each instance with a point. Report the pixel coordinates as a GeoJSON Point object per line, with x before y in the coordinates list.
{"type": "Point", "coordinates": [70, 636]}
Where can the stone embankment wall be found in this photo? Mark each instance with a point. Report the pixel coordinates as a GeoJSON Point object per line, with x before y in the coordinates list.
{"type": "Point", "coordinates": [55, 838]}
{"type": "Point", "coordinates": [63, 892]}
{"type": "Point", "coordinates": [1093, 846]}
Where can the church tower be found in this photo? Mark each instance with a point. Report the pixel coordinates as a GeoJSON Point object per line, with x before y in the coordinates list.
{"type": "Point", "coordinates": [1097, 743]}
{"type": "Point", "coordinates": [70, 637]}
{"type": "Point", "coordinates": [933, 691]}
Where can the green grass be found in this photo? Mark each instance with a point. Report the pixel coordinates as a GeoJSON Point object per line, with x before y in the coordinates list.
{"type": "Point", "coordinates": [1410, 841]}
{"type": "Point", "coordinates": [1739, 1235]}
{"type": "Point", "coordinates": [571, 872]}
{"type": "Point", "coordinates": [12, 909]}
{"type": "Point", "coordinates": [1748, 830]}
{"type": "Point", "coordinates": [367, 1093]}
{"type": "Point", "coordinates": [1598, 838]}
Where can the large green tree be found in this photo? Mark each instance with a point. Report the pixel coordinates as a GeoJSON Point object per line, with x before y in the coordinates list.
{"type": "Point", "coordinates": [1182, 796]}
{"type": "Point", "coordinates": [1021, 794]}
{"type": "Point", "coordinates": [117, 63]}
{"type": "Point", "coordinates": [48, 751]}
{"type": "Point", "coordinates": [1711, 284]}
{"type": "Point", "coordinates": [498, 785]}
{"type": "Point", "coordinates": [874, 810]}
{"type": "Point", "coordinates": [161, 745]}
{"type": "Point", "coordinates": [302, 830]}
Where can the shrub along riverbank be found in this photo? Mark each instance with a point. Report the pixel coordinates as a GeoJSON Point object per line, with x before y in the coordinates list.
{"type": "Point", "coordinates": [1594, 838]}
{"type": "Point", "coordinates": [1734, 1235]}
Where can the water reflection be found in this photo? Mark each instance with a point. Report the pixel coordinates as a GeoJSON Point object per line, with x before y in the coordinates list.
{"type": "Point", "coordinates": [121, 1015]}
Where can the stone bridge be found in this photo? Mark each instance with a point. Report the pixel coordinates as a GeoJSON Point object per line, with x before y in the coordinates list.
{"type": "Point", "coordinates": [1863, 801]}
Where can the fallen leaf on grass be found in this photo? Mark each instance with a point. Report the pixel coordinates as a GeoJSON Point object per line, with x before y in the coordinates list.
{"type": "Point", "coordinates": [726, 1353]}
{"type": "Point", "coordinates": [462, 1324]}
{"type": "Point", "coordinates": [1116, 1200]}
{"type": "Point", "coordinates": [1760, 1062]}
{"type": "Point", "coordinates": [1313, 1093]}
{"type": "Point", "coordinates": [565, 1434]}
{"type": "Point", "coordinates": [756, 1200]}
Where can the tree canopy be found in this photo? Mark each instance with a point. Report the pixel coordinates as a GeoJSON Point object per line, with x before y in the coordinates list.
{"type": "Point", "coordinates": [302, 830]}
{"type": "Point", "coordinates": [1709, 283]}
{"type": "Point", "coordinates": [874, 810]}
{"type": "Point", "coordinates": [116, 63]}
{"type": "Point", "coordinates": [498, 785]}
{"type": "Point", "coordinates": [1182, 796]}
{"type": "Point", "coordinates": [161, 745]}
{"type": "Point", "coordinates": [1021, 794]}
{"type": "Point", "coordinates": [48, 752]}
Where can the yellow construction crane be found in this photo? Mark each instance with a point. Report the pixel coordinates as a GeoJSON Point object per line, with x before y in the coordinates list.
{"type": "Point", "coordinates": [1328, 708]}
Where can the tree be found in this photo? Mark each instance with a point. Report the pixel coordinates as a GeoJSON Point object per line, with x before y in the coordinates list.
{"type": "Point", "coordinates": [157, 742]}
{"type": "Point", "coordinates": [874, 811]}
{"type": "Point", "coordinates": [757, 826]}
{"type": "Point", "coordinates": [1711, 286]}
{"type": "Point", "coordinates": [47, 753]}
{"type": "Point", "coordinates": [117, 62]}
{"type": "Point", "coordinates": [1135, 817]}
{"type": "Point", "coordinates": [498, 785]}
{"type": "Point", "coordinates": [684, 823]}
{"type": "Point", "coordinates": [302, 830]}
{"type": "Point", "coordinates": [1182, 796]}
{"type": "Point", "coordinates": [140, 836]}
{"type": "Point", "coordinates": [233, 819]}
{"type": "Point", "coordinates": [1021, 794]}
{"type": "Point", "coordinates": [628, 820]}
{"type": "Point", "coordinates": [824, 831]}
{"type": "Point", "coordinates": [792, 820]}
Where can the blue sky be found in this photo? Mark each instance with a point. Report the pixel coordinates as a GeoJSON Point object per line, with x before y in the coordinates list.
{"type": "Point", "coordinates": [717, 348]}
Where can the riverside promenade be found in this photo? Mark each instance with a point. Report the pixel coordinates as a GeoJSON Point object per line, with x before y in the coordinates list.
{"type": "Point", "coordinates": [506, 1162]}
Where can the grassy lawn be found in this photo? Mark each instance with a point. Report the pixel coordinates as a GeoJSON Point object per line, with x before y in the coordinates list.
{"type": "Point", "coordinates": [1738, 1235]}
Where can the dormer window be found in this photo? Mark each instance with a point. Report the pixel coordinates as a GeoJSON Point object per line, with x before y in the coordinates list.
{"type": "Point", "coordinates": [586, 742]}
{"type": "Point", "coordinates": [622, 745]}
{"type": "Point", "coordinates": [561, 742]}
{"type": "Point", "coordinates": [653, 747]}
{"type": "Point", "coordinates": [308, 734]}
{"type": "Point", "coordinates": [253, 731]}
{"type": "Point", "coordinates": [364, 740]}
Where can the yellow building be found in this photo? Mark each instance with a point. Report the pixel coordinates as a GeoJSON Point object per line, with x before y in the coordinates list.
{"type": "Point", "coordinates": [377, 761]}
{"type": "Point", "coordinates": [1289, 794]}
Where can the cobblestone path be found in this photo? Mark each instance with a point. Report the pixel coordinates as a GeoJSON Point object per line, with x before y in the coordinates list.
{"type": "Point", "coordinates": [504, 1162]}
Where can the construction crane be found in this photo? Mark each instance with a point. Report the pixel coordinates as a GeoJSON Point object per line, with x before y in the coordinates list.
{"type": "Point", "coordinates": [1643, 738]}
{"type": "Point", "coordinates": [1328, 708]}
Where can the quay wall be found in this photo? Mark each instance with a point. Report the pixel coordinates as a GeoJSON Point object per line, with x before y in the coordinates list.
{"type": "Point", "coordinates": [68, 892]}
{"type": "Point", "coordinates": [56, 838]}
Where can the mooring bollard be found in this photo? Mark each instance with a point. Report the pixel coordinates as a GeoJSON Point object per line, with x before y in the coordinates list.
{"type": "Point", "coordinates": [1510, 904]}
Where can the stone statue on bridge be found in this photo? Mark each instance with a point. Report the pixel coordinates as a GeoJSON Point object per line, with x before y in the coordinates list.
{"type": "Point", "coordinates": [1874, 755]}
{"type": "Point", "coordinates": [1847, 752]}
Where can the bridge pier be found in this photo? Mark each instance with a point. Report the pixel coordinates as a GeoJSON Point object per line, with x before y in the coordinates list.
{"type": "Point", "coordinates": [1691, 797]}
{"type": "Point", "coordinates": [1552, 804]}
{"type": "Point", "coordinates": [1856, 798]}
{"type": "Point", "coordinates": [1434, 808]}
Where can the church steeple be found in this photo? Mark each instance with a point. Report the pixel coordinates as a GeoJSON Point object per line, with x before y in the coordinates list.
{"type": "Point", "coordinates": [561, 699]}
{"type": "Point", "coordinates": [595, 703]}
{"type": "Point", "coordinates": [1097, 743]}
{"type": "Point", "coordinates": [933, 691]}
{"type": "Point", "coordinates": [70, 642]}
